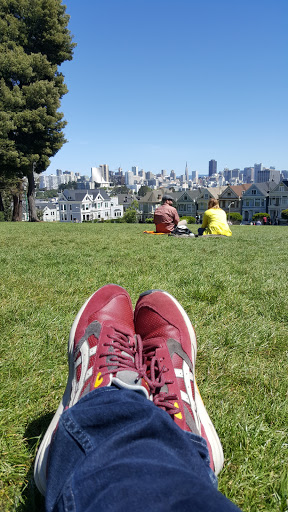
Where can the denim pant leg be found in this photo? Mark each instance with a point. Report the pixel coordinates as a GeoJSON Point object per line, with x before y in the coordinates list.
{"type": "Point", "coordinates": [116, 451]}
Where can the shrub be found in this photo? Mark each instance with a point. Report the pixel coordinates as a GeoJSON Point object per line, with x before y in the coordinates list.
{"type": "Point", "coordinates": [235, 217]}
{"type": "Point", "coordinates": [149, 220]}
{"type": "Point", "coordinates": [2, 219]}
{"type": "Point", "coordinates": [190, 219]}
{"type": "Point", "coordinates": [284, 214]}
{"type": "Point", "coordinates": [259, 216]}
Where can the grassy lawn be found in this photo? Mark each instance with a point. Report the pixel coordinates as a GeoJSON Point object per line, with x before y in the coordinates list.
{"type": "Point", "coordinates": [235, 293]}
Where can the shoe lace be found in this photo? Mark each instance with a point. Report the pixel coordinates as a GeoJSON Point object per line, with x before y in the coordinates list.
{"type": "Point", "coordinates": [124, 352]}
{"type": "Point", "coordinates": [157, 379]}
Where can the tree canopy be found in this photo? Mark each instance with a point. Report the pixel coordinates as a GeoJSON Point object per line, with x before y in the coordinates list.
{"type": "Point", "coordinates": [34, 41]}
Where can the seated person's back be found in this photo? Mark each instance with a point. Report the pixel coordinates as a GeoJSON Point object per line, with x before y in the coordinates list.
{"type": "Point", "coordinates": [166, 216]}
{"type": "Point", "coordinates": [215, 220]}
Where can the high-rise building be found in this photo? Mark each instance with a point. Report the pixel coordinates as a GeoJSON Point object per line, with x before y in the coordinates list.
{"type": "Point", "coordinates": [104, 169]}
{"type": "Point", "coordinates": [195, 176]}
{"type": "Point", "coordinates": [173, 175]}
{"type": "Point", "coordinates": [135, 170]}
{"type": "Point", "coordinates": [186, 173]}
{"type": "Point", "coordinates": [248, 174]}
{"type": "Point", "coordinates": [257, 168]}
{"type": "Point", "coordinates": [129, 178]}
{"type": "Point", "coordinates": [212, 167]}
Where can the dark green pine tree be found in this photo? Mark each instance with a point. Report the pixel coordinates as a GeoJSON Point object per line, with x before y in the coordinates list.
{"type": "Point", "coordinates": [34, 41]}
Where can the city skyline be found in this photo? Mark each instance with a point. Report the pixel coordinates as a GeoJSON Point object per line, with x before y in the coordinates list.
{"type": "Point", "coordinates": [154, 85]}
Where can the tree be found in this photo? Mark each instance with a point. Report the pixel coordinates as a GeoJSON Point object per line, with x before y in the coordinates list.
{"type": "Point", "coordinates": [120, 190]}
{"type": "Point", "coordinates": [143, 190]}
{"type": "Point", "coordinates": [34, 41]}
{"type": "Point", "coordinates": [130, 215]}
{"type": "Point", "coordinates": [259, 216]}
{"type": "Point", "coordinates": [284, 214]}
{"type": "Point", "coordinates": [234, 217]}
{"type": "Point", "coordinates": [68, 186]}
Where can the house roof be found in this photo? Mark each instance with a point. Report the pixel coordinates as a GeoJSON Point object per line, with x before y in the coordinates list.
{"type": "Point", "coordinates": [264, 188]}
{"type": "Point", "coordinates": [78, 195]}
{"type": "Point", "coordinates": [236, 189]}
{"type": "Point", "coordinates": [216, 191]}
{"type": "Point", "coordinates": [126, 198]}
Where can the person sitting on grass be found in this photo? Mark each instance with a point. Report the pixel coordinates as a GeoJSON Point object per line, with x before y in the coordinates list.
{"type": "Point", "coordinates": [166, 216]}
{"type": "Point", "coordinates": [214, 221]}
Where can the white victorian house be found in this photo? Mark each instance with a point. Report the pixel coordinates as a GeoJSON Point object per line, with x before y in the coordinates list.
{"type": "Point", "coordinates": [88, 205]}
{"type": "Point", "coordinates": [51, 212]}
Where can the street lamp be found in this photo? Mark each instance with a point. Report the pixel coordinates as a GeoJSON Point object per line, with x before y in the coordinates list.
{"type": "Point", "coordinates": [229, 206]}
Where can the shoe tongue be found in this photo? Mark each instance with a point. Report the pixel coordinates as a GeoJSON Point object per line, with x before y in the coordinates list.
{"type": "Point", "coordinates": [127, 379]}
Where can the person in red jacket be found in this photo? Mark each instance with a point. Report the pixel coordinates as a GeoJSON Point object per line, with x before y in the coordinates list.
{"type": "Point", "coordinates": [166, 216]}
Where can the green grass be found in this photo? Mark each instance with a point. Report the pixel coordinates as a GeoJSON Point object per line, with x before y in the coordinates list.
{"type": "Point", "coordinates": [235, 293]}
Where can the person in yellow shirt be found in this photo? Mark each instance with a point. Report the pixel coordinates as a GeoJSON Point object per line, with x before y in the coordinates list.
{"type": "Point", "coordinates": [214, 221]}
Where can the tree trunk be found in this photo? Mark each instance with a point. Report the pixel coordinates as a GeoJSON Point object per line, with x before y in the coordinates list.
{"type": "Point", "coordinates": [31, 198]}
{"type": "Point", "coordinates": [17, 203]}
{"type": "Point", "coordinates": [1, 203]}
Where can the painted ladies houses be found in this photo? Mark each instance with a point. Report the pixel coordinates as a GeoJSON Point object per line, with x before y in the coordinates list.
{"type": "Point", "coordinates": [278, 201]}
{"type": "Point", "coordinates": [230, 200]}
{"type": "Point", "coordinates": [186, 203]}
{"type": "Point", "coordinates": [87, 205]}
{"type": "Point", "coordinates": [255, 200]}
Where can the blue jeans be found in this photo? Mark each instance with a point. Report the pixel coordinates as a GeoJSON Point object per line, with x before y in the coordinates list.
{"type": "Point", "coordinates": [116, 451]}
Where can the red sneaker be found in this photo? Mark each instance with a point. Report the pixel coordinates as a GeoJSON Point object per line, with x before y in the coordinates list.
{"type": "Point", "coordinates": [169, 349]}
{"type": "Point", "coordinates": [103, 349]}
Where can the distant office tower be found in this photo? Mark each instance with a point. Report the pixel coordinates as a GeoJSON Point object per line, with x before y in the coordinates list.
{"type": "Point", "coordinates": [257, 168]}
{"type": "Point", "coordinates": [142, 173]}
{"type": "Point", "coordinates": [227, 174]}
{"type": "Point", "coordinates": [149, 175]}
{"type": "Point", "coordinates": [129, 178]}
{"type": "Point", "coordinates": [58, 172]}
{"type": "Point", "coordinates": [173, 175]}
{"type": "Point", "coordinates": [135, 170]}
{"type": "Point", "coordinates": [268, 175]}
{"type": "Point", "coordinates": [284, 175]}
{"type": "Point", "coordinates": [186, 173]}
{"type": "Point", "coordinates": [163, 173]}
{"type": "Point", "coordinates": [235, 173]}
{"type": "Point", "coordinates": [195, 176]}
{"type": "Point", "coordinates": [104, 169]}
{"type": "Point", "coordinates": [212, 167]}
{"type": "Point", "coordinates": [96, 174]}
{"type": "Point", "coordinates": [248, 175]}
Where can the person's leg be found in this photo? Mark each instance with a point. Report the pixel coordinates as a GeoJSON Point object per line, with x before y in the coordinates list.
{"type": "Point", "coordinates": [103, 350]}
{"type": "Point", "coordinates": [115, 450]}
{"type": "Point", "coordinates": [169, 350]}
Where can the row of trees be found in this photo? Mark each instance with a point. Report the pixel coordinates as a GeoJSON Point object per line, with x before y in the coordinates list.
{"type": "Point", "coordinates": [34, 42]}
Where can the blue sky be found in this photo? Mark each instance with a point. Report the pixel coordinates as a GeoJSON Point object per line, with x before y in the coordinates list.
{"type": "Point", "coordinates": [156, 83]}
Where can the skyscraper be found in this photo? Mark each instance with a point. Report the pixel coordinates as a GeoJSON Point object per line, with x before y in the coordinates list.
{"type": "Point", "coordinates": [212, 167]}
{"type": "Point", "coordinates": [186, 173]}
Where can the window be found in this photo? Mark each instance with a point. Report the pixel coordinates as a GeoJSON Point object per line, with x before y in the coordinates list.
{"type": "Point", "coordinates": [106, 205]}
{"type": "Point", "coordinates": [253, 192]}
{"type": "Point", "coordinates": [70, 206]}
{"type": "Point", "coordinates": [87, 206]}
{"type": "Point", "coordinates": [257, 202]}
{"type": "Point", "coordinates": [106, 214]}
{"type": "Point", "coordinates": [83, 206]}
{"type": "Point", "coordinates": [189, 207]}
{"type": "Point", "coordinates": [185, 198]}
{"type": "Point", "coordinates": [99, 206]}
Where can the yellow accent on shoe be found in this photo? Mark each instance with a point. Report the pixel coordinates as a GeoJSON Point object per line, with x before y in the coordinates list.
{"type": "Point", "coordinates": [98, 380]}
{"type": "Point", "coordinates": [179, 415]}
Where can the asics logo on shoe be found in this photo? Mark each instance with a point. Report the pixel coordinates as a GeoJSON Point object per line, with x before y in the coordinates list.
{"type": "Point", "coordinates": [187, 374]}
{"type": "Point", "coordinates": [82, 354]}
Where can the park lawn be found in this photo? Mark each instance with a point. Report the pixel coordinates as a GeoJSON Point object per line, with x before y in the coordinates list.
{"type": "Point", "coordinates": [235, 293]}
